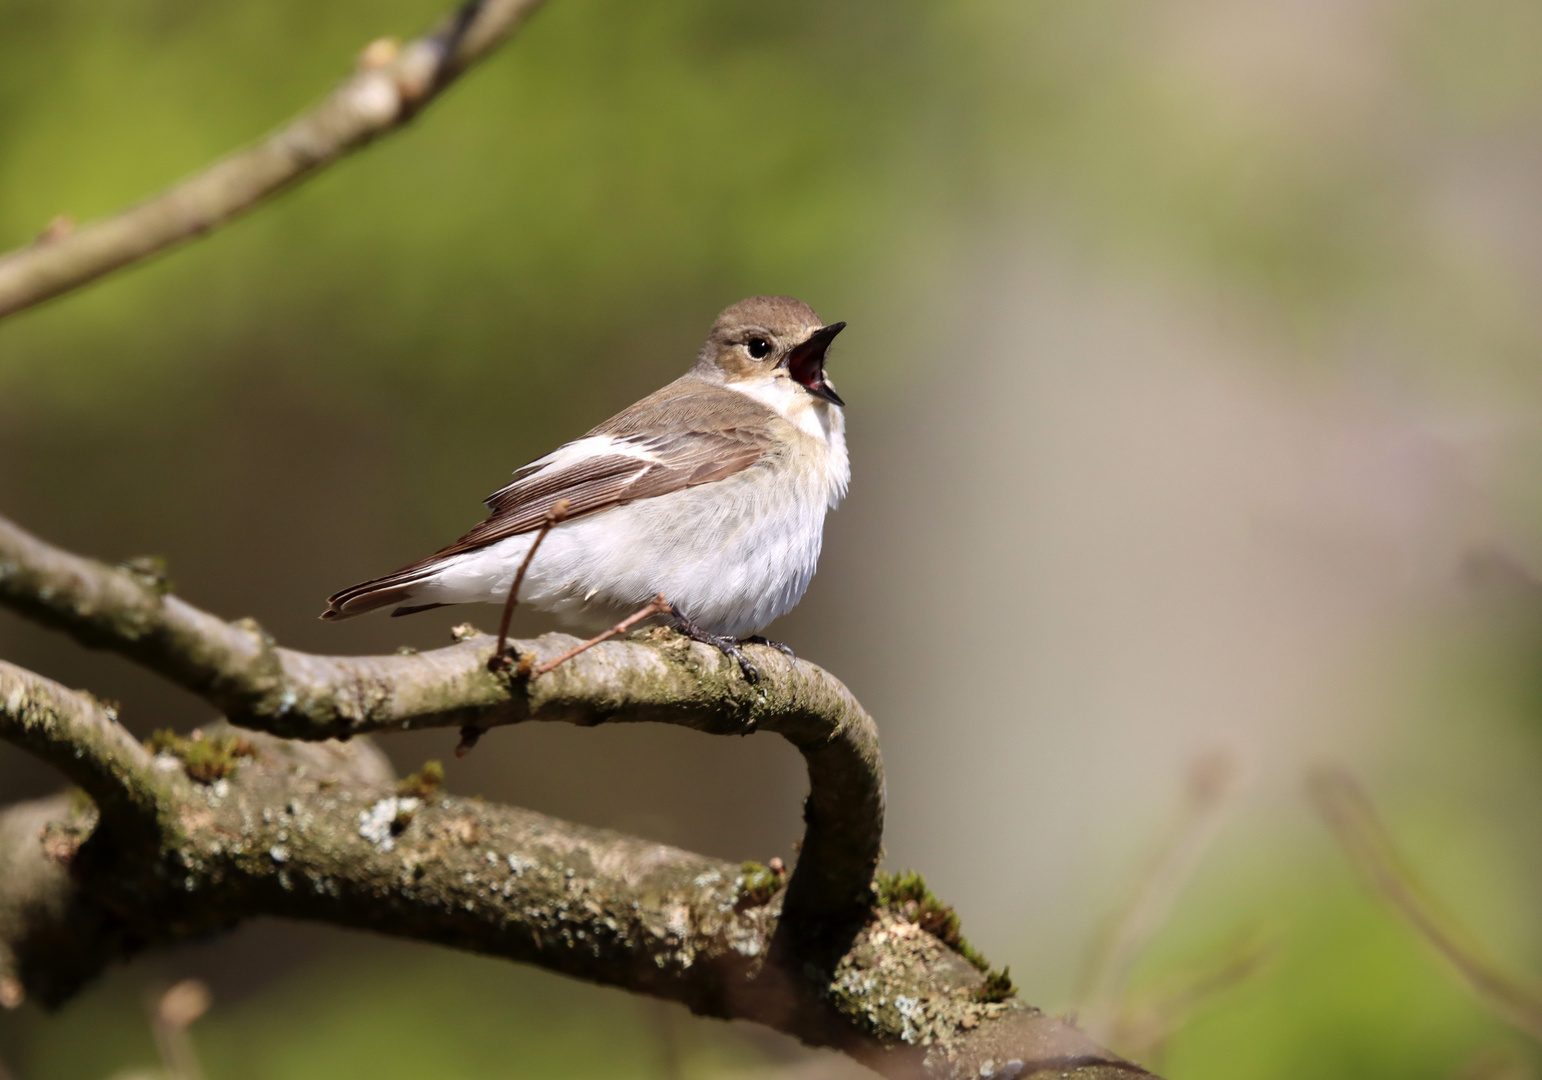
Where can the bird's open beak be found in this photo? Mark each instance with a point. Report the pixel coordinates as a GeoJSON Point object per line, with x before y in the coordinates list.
{"type": "Point", "coordinates": [806, 362]}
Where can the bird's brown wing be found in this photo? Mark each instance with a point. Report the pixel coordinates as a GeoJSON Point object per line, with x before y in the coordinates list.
{"type": "Point", "coordinates": [599, 483]}
{"type": "Point", "coordinates": [680, 437]}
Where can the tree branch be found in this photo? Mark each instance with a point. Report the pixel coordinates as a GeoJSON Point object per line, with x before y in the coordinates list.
{"type": "Point", "coordinates": [303, 836]}
{"type": "Point", "coordinates": [390, 88]}
{"type": "Point", "coordinates": [80, 737]}
{"type": "Point", "coordinates": [258, 685]}
{"type": "Point", "coordinates": [315, 830]}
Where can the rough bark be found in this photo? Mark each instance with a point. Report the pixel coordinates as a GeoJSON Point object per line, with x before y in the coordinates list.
{"type": "Point", "coordinates": [669, 679]}
{"type": "Point", "coordinates": [311, 826]}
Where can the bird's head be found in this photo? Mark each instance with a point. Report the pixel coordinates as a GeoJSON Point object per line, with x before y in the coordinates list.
{"type": "Point", "coordinates": [771, 337]}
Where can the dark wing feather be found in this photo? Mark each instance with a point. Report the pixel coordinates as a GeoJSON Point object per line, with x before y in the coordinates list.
{"type": "Point", "coordinates": [695, 432]}
{"type": "Point", "coordinates": [683, 460]}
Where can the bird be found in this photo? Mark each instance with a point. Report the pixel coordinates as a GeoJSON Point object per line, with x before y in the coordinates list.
{"type": "Point", "coordinates": [711, 492]}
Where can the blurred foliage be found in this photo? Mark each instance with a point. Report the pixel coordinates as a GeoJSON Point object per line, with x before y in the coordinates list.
{"type": "Point", "coordinates": [614, 162]}
{"type": "Point", "coordinates": [322, 390]}
{"type": "Point", "coordinates": [1343, 969]}
{"type": "Point", "coordinates": [620, 163]}
{"type": "Point", "coordinates": [400, 1011]}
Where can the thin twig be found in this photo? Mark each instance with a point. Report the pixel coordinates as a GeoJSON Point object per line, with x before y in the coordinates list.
{"type": "Point", "coordinates": [658, 606]}
{"type": "Point", "coordinates": [1207, 792]}
{"type": "Point", "coordinates": [171, 1014]}
{"type": "Point", "coordinates": [1147, 1022]}
{"type": "Point", "coordinates": [558, 511]}
{"type": "Point", "coordinates": [1353, 819]}
{"type": "Point", "coordinates": [391, 86]}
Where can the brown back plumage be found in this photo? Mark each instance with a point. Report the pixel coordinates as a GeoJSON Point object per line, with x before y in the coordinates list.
{"type": "Point", "coordinates": [696, 430]}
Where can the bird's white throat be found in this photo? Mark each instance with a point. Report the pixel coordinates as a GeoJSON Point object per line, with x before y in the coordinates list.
{"type": "Point", "coordinates": [787, 399]}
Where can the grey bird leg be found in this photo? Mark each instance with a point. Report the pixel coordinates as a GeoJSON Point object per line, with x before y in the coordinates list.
{"type": "Point", "coordinates": [726, 645]}
{"type": "Point", "coordinates": [761, 639]}
{"type": "Point", "coordinates": [499, 661]}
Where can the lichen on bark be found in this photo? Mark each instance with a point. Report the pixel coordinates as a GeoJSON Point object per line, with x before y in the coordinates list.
{"type": "Point", "coordinates": [306, 825]}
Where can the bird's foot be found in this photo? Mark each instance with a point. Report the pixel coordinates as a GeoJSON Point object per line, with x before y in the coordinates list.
{"type": "Point", "coordinates": [761, 639]}
{"type": "Point", "coordinates": [724, 644]}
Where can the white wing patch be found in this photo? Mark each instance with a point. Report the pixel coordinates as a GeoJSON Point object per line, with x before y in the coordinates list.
{"type": "Point", "coordinates": [580, 450]}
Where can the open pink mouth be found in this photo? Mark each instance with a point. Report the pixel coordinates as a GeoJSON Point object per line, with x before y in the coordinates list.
{"type": "Point", "coordinates": [806, 362]}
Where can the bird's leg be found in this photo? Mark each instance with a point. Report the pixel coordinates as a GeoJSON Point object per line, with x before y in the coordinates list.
{"type": "Point", "coordinates": [761, 639]}
{"type": "Point", "coordinates": [724, 644]}
{"type": "Point", "coordinates": [499, 662]}
{"type": "Point", "coordinates": [657, 606]}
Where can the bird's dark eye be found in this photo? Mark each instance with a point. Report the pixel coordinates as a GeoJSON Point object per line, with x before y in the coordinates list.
{"type": "Point", "coordinates": [759, 347]}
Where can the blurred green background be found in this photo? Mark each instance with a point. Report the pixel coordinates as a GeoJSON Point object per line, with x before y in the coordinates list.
{"type": "Point", "coordinates": [1194, 395]}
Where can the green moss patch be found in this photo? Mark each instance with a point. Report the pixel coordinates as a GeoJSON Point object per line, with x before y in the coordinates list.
{"type": "Point", "coordinates": [757, 884]}
{"type": "Point", "coordinates": [423, 783]}
{"type": "Point", "coordinates": [906, 894]}
{"type": "Point", "coordinates": [205, 759]}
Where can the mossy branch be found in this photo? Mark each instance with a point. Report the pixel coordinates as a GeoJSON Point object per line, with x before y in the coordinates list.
{"type": "Point", "coordinates": [80, 736]}
{"type": "Point", "coordinates": [238, 669]}
{"type": "Point", "coordinates": [323, 830]}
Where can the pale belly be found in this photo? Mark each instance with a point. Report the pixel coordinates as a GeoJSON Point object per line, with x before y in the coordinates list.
{"type": "Point", "coordinates": [732, 555]}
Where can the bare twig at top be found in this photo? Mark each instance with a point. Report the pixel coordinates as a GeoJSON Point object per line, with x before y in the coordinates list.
{"type": "Point", "coordinates": [393, 83]}
{"type": "Point", "coordinates": [1353, 819]}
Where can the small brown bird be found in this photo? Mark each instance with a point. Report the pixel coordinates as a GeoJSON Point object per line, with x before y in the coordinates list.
{"type": "Point", "coordinates": [712, 491]}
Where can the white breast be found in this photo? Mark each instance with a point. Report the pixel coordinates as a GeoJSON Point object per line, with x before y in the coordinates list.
{"type": "Point", "coordinates": [819, 419]}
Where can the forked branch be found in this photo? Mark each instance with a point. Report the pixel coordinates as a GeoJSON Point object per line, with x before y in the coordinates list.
{"type": "Point", "coordinates": [258, 685]}
{"type": "Point", "coordinates": [315, 829]}
{"type": "Point", "coordinates": [80, 737]}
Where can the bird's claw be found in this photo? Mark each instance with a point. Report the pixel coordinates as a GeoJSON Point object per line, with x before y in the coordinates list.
{"type": "Point", "coordinates": [725, 645]}
{"type": "Point", "coordinates": [761, 639]}
{"type": "Point", "coordinates": [750, 671]}
{"type": "Point", "coordinates": [729, 647]}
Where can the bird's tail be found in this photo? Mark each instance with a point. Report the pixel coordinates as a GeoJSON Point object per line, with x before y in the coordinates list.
{"type": "Point", "coordinates": [381, 592]}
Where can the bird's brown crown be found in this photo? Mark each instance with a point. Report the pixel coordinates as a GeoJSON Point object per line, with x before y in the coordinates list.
{"type": "Point", "coordinates": [752, 337]}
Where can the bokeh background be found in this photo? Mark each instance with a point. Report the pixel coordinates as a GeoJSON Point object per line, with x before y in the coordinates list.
{"type": "Point", "coordinates": [1195, 410]}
